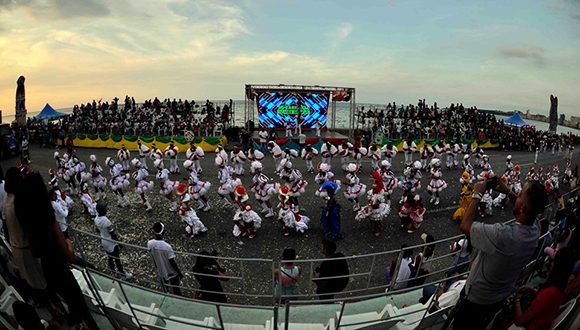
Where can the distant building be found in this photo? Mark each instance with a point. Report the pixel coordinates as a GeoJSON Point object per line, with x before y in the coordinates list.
{"type": "Point", "coordinates": [562, 119]}
{"type": "Point", "coordinates": [575, 119]}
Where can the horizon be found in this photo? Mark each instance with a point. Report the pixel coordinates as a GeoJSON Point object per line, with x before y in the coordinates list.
{"type": "Point", "coordinates": [491, 55]}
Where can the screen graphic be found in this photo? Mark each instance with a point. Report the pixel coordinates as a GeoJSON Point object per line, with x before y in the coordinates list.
{"type": "Point", "coordinates": [276, 109]}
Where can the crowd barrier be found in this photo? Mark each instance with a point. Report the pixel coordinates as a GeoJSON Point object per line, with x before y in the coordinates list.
{"type": "Point", "coordinates": [112, 141]}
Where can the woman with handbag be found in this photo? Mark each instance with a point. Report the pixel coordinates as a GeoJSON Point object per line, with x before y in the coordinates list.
{"type": "Point", "coordinates": [287, 277]}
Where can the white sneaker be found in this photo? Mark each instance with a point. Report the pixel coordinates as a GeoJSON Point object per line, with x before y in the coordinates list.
{"type": "Point", "coordinates": [206, 208]}
{"type": "Point", "coordinates": [437, 201]}
{"type": "Point", "coordinates": [126, 276]}
{"type": "Point", "coordinates": [147, 206]}
{"type": "Point", "coordinates": [432, 200]}
{"type": "Point", "coordinates": [173, 207]}
{"type": "Point", "coordinates": [126, 201]}
{"type": "Point", "coordinates": [356, 207]}
{"type": "Point", "coordinates": [270, 214]}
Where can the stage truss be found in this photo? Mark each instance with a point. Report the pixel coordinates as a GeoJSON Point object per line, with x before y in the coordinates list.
{"type": "Point", "coordinates": [253, 89]}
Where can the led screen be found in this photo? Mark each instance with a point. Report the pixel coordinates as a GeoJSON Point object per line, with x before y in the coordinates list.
{"type": "Point", "coordinates": [276, 108]}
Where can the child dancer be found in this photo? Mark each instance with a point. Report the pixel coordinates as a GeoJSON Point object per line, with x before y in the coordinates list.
{"type": "Point", "coordinates": [141, 185]}
{"type": "Point", "coordinates": [411, 181]}
{"type": "Point", "coordinates": [166, 186]}
{"type": "Point", "coordinates": [144, 153]}
{"type": "Point", "coordinates": [124, 155]}
{"type": "Point", "coordinates": [296, 183]}
{"type": "Point", "coordinates": [171, 152]}
{"type": "Point", "coordinates": [89, 204]}
{"type": "Point", "coordinates": [327, 151]}
{"type": "Point", "coordinates": [437, 184]}
{"type": "Point", "coordinates": [308, 154]}
{"type": "Point", "coordinates": [354, 188]}
{"type": "Point", "coordinates": [277, 154]}
{"type": "Point", "coordinates": [465, 197]}
{"type": "Point", "coordinates": [264, 190]}
{"type": "Point", "coordinates": [375, 156]}
{"type": "Point", "coordinates": [97, 180]}
{"type": "Point", "coordinates": [195, 154]}
{"type": "Point", "coordinates": [376, 208]}
{"type": "Point", "coordinates": [345, 151]}
{"type": "Point", "coordinates": [118, 182]}
{"type": "Point", "coordinates": [246, 220]}
{"type": "Point", "coordinates": [237, 159]}
{"type": "Point", "coordinates": [197, 188]}
{"type": "Point", "coordinates": [389, 180]}
{"type": "Point", "coordinates": [293, 221]}
{"type": "Point", "coordinates": [193, 225]}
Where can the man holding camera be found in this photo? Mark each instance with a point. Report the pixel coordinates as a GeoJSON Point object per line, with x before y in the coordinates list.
{"type": "Point", "coordinates": [501, 252]}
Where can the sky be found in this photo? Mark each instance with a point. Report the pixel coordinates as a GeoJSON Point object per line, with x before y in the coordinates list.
{"type": "Point", "coordinates": [508, 55]}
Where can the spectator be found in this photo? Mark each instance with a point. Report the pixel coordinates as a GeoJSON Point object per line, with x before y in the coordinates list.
{"type": "Point", "coordinates": [422, 265]}
{"type": "Point", "coordinates": [462, 250]}
{"type": "Point", "coordinates": [164, 259]}
{"type": "Point", "coordinates": [287, 277]}
{"type": "Point", "coordinates": [109, 241]}
{"type": "Point", "coordinates": [209, 273]}
{"type": "Point", "coordinates": [28, 318]}
{"type": "Point", "coordinates": [502, 251]}
{"type": "Point", "coordinates": [28, 264]}
{"type": "Point", "coordinates": [404, 274]}
{"type": "Point", "coordinates": [334, 266]}
{"type": "Point", "coordinates": [47, 241]}
{"type": "Point", "coordinates": [330, 217]}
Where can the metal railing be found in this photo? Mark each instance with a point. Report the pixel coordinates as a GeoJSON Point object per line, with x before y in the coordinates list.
{"type": "Point", "coordinates": [251, 280]}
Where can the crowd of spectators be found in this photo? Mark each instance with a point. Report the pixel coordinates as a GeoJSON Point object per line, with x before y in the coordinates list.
{"type": "Point", "coordinates": [456, 123]}
{"type": "Point", "coordinates": [153, 117]}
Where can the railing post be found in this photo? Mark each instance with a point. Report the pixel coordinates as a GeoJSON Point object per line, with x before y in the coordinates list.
{"type": "Point", "coordinates": [371, 271]}
{"type": "Point", "coordinates": [219, 314]}
{"type": "Point", "coordinates": [286, 315]}
{"type": "Point", "coordinates": [342, 304]}
{"type": "Point", "coordinates": [311, 277]}
{"type": "Point", "coordinates": [274, 300]}
{"type": "Point", "coordinates": [243, 281]}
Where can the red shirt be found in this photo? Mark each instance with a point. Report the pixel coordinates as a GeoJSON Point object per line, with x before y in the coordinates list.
{"type": "Point", "coordinates": [545, 307]}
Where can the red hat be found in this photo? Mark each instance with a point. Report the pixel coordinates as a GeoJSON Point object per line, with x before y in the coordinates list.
{"type": "Point", "coordinates": [378, 186]}
{"type": "Point", "coordinates": [181, 189]}
{"type": "Point", "coordinates": [51, 171]}
{"type": "Point", "coordinates": [284, 190]}
{"type": "Point", "coordinates": [240, 191]}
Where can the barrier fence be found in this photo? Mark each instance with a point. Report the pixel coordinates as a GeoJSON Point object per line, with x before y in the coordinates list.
{"type": "Point", "coordinates": [251, 280]}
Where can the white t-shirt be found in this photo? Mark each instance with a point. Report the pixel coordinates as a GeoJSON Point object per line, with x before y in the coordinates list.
{"type": "Point", "coordinates": [403, 274]}
{"type": "Point", "coordinates": [162, 252]}
{"type": "Point", "coordinates": [302, 138]}
{"type": "Point", "coordinates": [103, 224]}
{"type": "Point", "coordinates": [463, 252]}
{"type": "Point", "coordinates": [451, 296]}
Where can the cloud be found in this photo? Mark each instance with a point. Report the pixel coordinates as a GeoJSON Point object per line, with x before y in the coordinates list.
{"type": "Point", "coordinates": [533, 54]}
{"type": "Point", "coordinates": [58, 9]}
{"type": "Point", "coordinates": [339, 35]}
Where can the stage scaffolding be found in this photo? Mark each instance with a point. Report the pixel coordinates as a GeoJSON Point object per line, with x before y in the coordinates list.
{"type": "Point", "coordinates": [250, 112]}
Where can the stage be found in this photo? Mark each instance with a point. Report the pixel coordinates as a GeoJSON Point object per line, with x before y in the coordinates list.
{"type": "Point", "coordinates": [293, 142]}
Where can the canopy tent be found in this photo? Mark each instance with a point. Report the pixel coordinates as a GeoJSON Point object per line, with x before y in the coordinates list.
{"type": "Point", "coordinates": [515, 120]}
{"type": "Point", "coordinates": [49, 113]}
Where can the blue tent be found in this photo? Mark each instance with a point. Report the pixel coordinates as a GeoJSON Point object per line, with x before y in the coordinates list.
{"type": "Point", "coordinates": [515, 120]}
{"type": "Point", "coordinates": [49, 113]}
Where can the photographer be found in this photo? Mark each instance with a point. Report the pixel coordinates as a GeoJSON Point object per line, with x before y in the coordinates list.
{"type": "Point", "coordinates": [164, 259]}
{"type": "Point", "coordinates": [210, 288]}
{"type": "Point", "coordinates": [333, 273]}
{"type": "Point", "coordinates": [502, 250]}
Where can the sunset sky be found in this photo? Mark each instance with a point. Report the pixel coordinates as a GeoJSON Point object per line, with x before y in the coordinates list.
{"type": "Point", "coordinates": [494, 54]}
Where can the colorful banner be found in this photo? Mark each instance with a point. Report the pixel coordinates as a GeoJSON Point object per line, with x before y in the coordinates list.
{"type": "Point", "coordinates": [112, 141]}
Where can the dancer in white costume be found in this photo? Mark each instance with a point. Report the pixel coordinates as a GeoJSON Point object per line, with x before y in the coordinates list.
{"type": "Point", "coordinates": [389, 152]}
{"type": "Point", "coordinates": [264, 190]}
{"type": "Point", "coordinates": [358, 154]}
{"type": "Point", "coordinates": [246, 220]}
{"type": "Point", "coordinates": [238, 159]}
{"type": "Point", "coordinates": [219, 151]}
{"type": "Point", "coordinates": [155, 152]}
{"type": "Point", "coordinates": [254, 154]}
{"type": "Point", "coordinates": [123, 155]}
{"type": "Point", "coordinates": [409, 147]}
{"type": "Point", "coordinates": [375, 154]}
{"type": "Point", "coordinates": [193, 225]}
{"type": "Point", "coordinates": [354, 188]}
{"type": "Point", "coordinates": [141, 184]}
{"type": "Point", "coordinates": [89, 203]}
{"type": "Point", "coordinates": [376, 209]}
{"type": "Point", "coordinates": [455, 151]}
{"type": "Point", "coordinates": [228, 182]}
{"type": "Point", "coordinates": [327, 151]}
{"type": "Point", "coordinates": [96, 178]}
{"type": "Point", "coordinates": [195, 154]}
{"type": "Point", "coordinates": [277, 154]}
{"type": "Point", "coordinates": [486, 170]}
{"type": "Point", "coordinates": [119, 181]}
{"type": "Point", "coordinates": [345, 150]}
{"type": "Point", "coordinates": [308, 154]}
{"type": "Point", "coordinates": [293, 177]}
{"type": "Point", "coordinates": [196, 187]}
{"type": "Point", "coordinates": [325, 175]}
{"type": "Point", "coordinates": [293, 221]}
{"type": "Point", "coordinates": [389, 180]}
{"type": "Point", "coordinates": [437, 184]}
{"type": "Point", "coordinates": [166, 186]}
{"type": "Point", "coordinates": [171, 152]}
{"type": "Point", "coordinates": [424, 154]}
{"type": "Point", "coordinates": [449, 154]}
{"type": "Point", "coordinates": [144, 153]}
{"type": "Point", "coordinates": [410, 181]}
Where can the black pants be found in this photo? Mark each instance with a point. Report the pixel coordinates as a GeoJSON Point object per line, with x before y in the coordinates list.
{"type": "Point", "coordinates": [115, 259]}
{"type": "Point", "coordinates": [173, 286]}
{"type": "Point", "coordinates": [469, 315]}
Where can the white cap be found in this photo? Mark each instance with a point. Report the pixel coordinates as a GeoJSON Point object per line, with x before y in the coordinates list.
{"type": "Point", "coordinates": [351, 167]}
{"type": "Point", "coordinates": [158, 163]}
{"type": "Point", "coordinates": [188, 164]}
{"type": "Point", "coordinates": [136, 162]}
{"type": "Point", "coordinates": [93, 158]}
